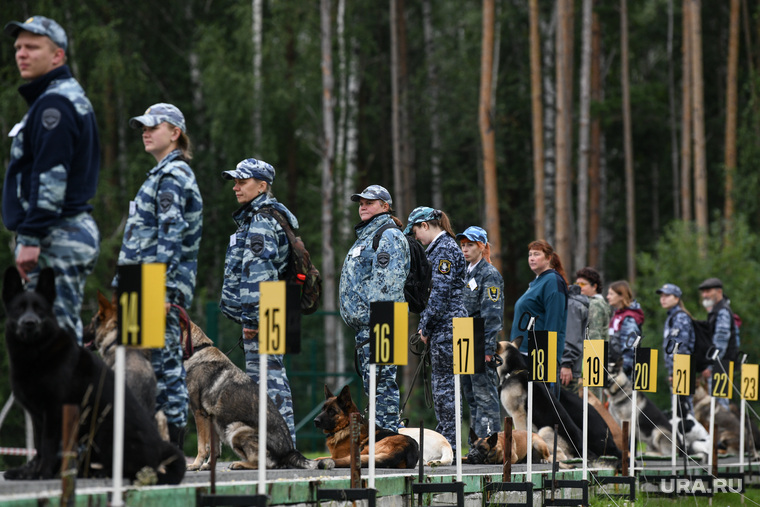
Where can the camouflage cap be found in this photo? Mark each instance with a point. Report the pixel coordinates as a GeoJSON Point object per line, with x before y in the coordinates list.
{"type": "Point", "coordinates": [374, 192]}
{"type": "Point", "coordinates": [474, 233]}
{"type": "Point", "coordinates": [421, 214]}
{"type": "Point", "coordinates": [251, 168]}
{"type": "Point", "coordinates": [670, 288]}
{"type": "Point", "coordinates": [40, 25]}
{"type": "Point", "coordinates": [158, 113]}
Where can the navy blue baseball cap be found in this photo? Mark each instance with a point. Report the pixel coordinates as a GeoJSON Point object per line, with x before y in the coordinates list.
{"type": "Point", "coordinates": [251, 168]}
{"type": "Point", "coordinates": [671, 289]}
{"type": "Point", "coordinates": [474, 233]}
{"type": "Point", "coordinates": [158, 113]}
{"type": "Point", "coordinates": [373, 193]}
{"type": "Point", "coordinates": [40, 25]}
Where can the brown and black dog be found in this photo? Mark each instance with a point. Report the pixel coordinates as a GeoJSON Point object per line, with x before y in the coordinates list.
{"type": "Point", "coordinates": [490, 450]}
{"type": "Point", "coordinates": [392, 450]}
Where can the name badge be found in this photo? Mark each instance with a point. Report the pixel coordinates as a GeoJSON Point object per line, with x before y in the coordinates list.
{"type": "Point", "coordinates": [472, 284]}
{"type": "Point", "coordinates": [132, 207]}
{"type": "Point", "coordinates": [356, 252]}
{"type": "Point", "coordinates": [233, 240]}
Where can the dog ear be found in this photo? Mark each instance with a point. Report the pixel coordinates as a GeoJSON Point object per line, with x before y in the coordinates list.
{"type": "Point", "coordinates": [517, 341]}
{"type": "Point", "coordinates": [12, 285]}
{"type": "Point", "coordinates": [104, 304]}
{"type": "Point", "coordinates": [328, 393]}
{"type": "Point", "coordinates": [501, 347]}
{"type": "Point", "coordinates": [344, 399]}
{"type": "Point", "coordinates": [473, 436]}
{"type": "Point", "coordinates": [46, 285]}
{"type": "Point", "coordinates": [493, 440]}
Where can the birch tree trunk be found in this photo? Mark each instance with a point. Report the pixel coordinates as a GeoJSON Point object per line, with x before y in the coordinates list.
{"type": "Point", "coordinates": [433, 93]}
{"type": "Point", "coordinates": [686, 107]}
{"type": "Point", "coordinates": [550, 123]}
{"type": "Point", "coordinates": [594, 168]}
{"type": "Point", "coordinates": [562, 203]}
{"type": "Point", "coordinates": [328, 154]}
{"type": "Point", "coordinates": [487, 135]}
{"type": "Point", "coordinates": [581, 245]}
{"type": "Point", "coordinates": [700, 163]}
{"type": "Point", "coordinates": [256, 13]}
{"type": "Point", "coordinates": [539, 198]}
{"type": "Point", "coordinates": [731, 105]}
{"type": "Point", "coordinates": [630, 215]}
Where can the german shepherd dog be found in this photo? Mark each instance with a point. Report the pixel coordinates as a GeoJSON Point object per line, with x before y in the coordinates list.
{"type": "Point", "coordinates": [392, 450]}
{"type": "Point", "coordinates": [490, 450]}
{"type": "Point", "coordinates": [225, 400]}
{"type": "Point", "coordinates": [49, 370]}
{"type": "Point", "coordinates": [547, 409]}
{"type": "Point", "coordinates": [102, 333]}
{"type": "Point", "coordinates": [652, 426]}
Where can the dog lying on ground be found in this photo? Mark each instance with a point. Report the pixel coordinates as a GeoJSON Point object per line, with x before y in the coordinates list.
{"type": "Point", "coordinates": [225, 400]}
{"type": "Point", "coordinates": [102, 332]}
{"type": "Point", "coordinates": [490, 450]}
{"type": "Point", "coordinates": [392, 450]}
{"type": "Point", "coordinates": [612, 424]}
{"type": "Point", "coordinates": [696, 436]}
{"type": "Point", "coordinates": [652, 426]}
{"type": "Point", "coordinates": [49, 370]}
{"type": "Point", "coordinates": [547, 410]}
{"type": "Point", "coordinates": [437, 449]}
{"type": "Point", "coordinates": [726, 422]}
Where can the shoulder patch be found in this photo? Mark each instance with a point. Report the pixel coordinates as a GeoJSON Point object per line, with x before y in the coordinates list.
{"type": "Point", "coordinates": [165, 200]}
{"type": "Point", "coordinates": [444, 266]}
{"type": "Point", "coordinates": [51, 117]}
{"type": "Point", "coordinates": [383, 259]}
{"type": "Point", "coordinates": [257, 244]}
{"type": "Point", "coordinates": [494, 294]}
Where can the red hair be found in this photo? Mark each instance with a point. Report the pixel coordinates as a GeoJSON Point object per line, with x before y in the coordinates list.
{"type": "Point", "coordinates": [554, 261]}
{"type": "Point", "coordinates": [484, 247]}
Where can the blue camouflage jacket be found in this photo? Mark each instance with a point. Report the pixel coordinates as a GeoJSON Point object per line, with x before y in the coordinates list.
{"type": "Point", "coordinates": [164, 225]}
{"type": "Point", "coordinates": [367, 275]}
{"type": "Point", "coordinates": [257, 252]}
{"type": "Point", "coordinates": [55, 157]}
{"type": "Point", "coordinates": [447, 291]}
{"type": "Point", "coordinates": [484, 297]}
{"type": "Point", "coordinates": [678, 327]}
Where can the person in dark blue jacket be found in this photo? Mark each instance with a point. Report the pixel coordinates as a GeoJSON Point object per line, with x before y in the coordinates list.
{"type": "Point", "coordinates": [432, 228]}
{"type": "Point", "coordinates": [678, 329]}
{"type": "Point", "coordinates": [53, 170]}
{"type": "Point", "coordinates": [625, 325]}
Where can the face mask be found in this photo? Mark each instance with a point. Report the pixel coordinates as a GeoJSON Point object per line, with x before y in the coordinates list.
{"type": "Point", "coordinates": [708, 303]}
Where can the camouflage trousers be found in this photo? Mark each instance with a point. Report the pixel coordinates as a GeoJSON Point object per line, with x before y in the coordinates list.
{"type": "Point", "coordinates": [71, 249]}
{"type": "Point", "coordinates": [278, 386]}
{"type": "Point", "coordinates": [387, 393]}
{"type": "Point", "coordinates": [482, 397]}
{"type": "Point", "coordinates": [171, 395]}
{"type": "Point", "coordinates": [442, 381]}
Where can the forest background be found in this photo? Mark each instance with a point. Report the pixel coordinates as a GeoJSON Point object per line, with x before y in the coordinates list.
{"type": "Point", "coordinates": [626, 134]}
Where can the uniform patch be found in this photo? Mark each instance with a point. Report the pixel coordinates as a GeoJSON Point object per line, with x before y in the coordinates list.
{"type": "Point", "coordinates": [257, 244]}
{"type": "Point", "coordinates": [51, 117]}
{"type": "Point", "coordinates": [383, 259]}
{"type": "Point", "coordinates": [494, 293]}
{"type": "Point", "coordinates": [444, 266]}
{"type": "Point", "coordinates": [165, 200]}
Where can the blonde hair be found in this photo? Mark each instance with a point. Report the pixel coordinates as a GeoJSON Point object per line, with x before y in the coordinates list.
{"type": "Point", "coordinates": [185, 145]}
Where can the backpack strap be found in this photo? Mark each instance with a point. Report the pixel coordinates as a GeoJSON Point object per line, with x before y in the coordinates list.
{"type": "Point", "coordinates": [269, 210]}
{"type": "Point", "coordinates": [379, 234]}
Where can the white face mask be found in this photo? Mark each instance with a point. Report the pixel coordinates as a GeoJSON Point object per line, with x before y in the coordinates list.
{"type": "Point", "coordinates": [708, 303]}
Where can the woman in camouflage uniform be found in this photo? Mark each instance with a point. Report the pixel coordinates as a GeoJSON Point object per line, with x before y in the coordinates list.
{"type": "Point", "coordinates": [432, 228]}
{"type": "Point", "coordinates": [483, 297]}
{"type": "Point", "coordinates": [164, 225]}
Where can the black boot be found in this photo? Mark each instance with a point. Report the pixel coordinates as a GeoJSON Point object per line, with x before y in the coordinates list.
{"type": "Point", "coordinates": [177, 436]}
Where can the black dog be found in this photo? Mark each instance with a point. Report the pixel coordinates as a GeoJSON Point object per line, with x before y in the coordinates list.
{"type": "Point", "coordinates": [49, 370]}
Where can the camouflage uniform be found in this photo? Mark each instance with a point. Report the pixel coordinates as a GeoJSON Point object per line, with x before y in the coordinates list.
{"type": "Point", "coordinates": [368, 276]}
{"type": "Point", "coordinates": [446, 302]}
{"type": "Point", "coordinates": [599, 315]}
{"type": "Point", "coordinates": [164, 225]}
{"type": "Point", "coordinates": [258, 252]}
{"type": "Point", "coordinates": [52, 174]}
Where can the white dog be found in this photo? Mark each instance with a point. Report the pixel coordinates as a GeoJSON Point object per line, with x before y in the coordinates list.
{"type": "Point", "coordinates": [437, 449]}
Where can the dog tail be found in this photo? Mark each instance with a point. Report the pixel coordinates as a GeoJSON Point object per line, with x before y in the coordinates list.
{"type": "Point", "coordinates": [294, 459]}
{"type": "Point", "coordinates": [173, 465]}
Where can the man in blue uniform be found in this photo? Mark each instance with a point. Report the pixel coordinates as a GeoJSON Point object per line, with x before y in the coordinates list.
{"type": "Point", "coordinates": [53, 169]}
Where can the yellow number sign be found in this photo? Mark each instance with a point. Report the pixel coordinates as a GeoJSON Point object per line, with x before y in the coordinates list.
{"type": "Point", "coordinates": [723, 379]}
{"type": "Point", "coordinates": [645, 370]}
{"type": "Point", "coordinates": [683, 379]}
{"type": "Point", "coordinates": [141, 297]}
{"type": "Point", "coordinates": [388, 332]}
{"type": "Point", "coordinates": [469, 346]}
{"type": "Point", "coordinates": [542, 352]}
{"type": "Point", "coordinates": [272, 317]}
{"type": "Point", "coordinates": [749, 382]}
{"type": "Point", "coordinates": [594, 359]}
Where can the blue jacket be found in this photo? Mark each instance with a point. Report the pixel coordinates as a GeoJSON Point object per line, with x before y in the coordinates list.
{"type": "Point", "coordinates": [55, 157]}
{"type": "Point", "coordinates": [165, 224]}
{"type": "Point", "coordinates": [546, 300]}
{"type": "Point", "coordinates": [257, 252]}
{"type": "Point", "coordinates": [368, 275]}
{"type": "Point", "coordinates": [446, 294]}
{"type": "Point", "coordinates": [678, 327]}
{"type": "Point", "coordinates": [625, 326]}
{"type": "Point", "coordinates": [484, 297]}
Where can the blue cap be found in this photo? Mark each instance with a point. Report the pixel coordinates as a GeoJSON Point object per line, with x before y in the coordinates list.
{"type": "Point", "coordinates": [421, 214]}
{"type": "Point", "coordinates": [671, 289]}
{"type": "Point", "coordinates": [251, 168]}
{"type": "Point", "coordinates": [158, 113]}
{"type": "Point", "coordinates": [41, 26]}
{"type": "Point", "coordinates": [474, 233]}
{"type": "Point", "coordinates": [373, 193]}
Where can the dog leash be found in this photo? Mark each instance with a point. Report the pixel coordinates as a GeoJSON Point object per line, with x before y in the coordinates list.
{"type": "Point", "coordinates": [184, 338]}
{"type": "Point", "coordinates": [421, 350]}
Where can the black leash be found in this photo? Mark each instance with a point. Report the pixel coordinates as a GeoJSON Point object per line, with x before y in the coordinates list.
{"type": "Point", "coordinates": [421, 350]}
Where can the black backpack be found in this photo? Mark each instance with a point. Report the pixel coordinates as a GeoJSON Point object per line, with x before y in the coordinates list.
{"type": "Point", "coordinates": [702, 342]}
{"type": "Point", "coordinates": [300, 270]}
{"type": "Point", "coordinates": [417, 286]}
